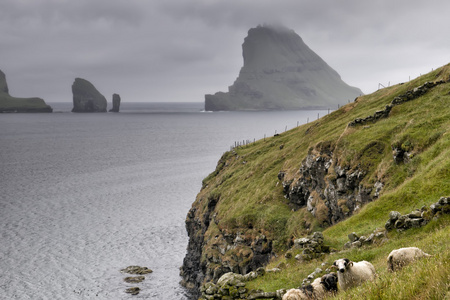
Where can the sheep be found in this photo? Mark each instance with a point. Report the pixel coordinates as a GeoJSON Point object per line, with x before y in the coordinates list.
{"type": "Point", "coordinates": [316, 290]}
{"type": "Point", "coordinates": [398, 258]}
{"type": "Point", "coordinates": [351, 274]}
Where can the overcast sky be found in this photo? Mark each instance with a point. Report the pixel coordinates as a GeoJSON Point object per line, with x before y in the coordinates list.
{"type": "Point", "coordinates": [179, 50]}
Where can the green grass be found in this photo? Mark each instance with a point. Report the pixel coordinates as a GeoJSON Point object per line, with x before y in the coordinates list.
{"type": "Point", "coordinates": [252, 200]}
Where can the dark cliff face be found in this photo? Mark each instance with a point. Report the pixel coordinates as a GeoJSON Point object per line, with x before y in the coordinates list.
{"type": "Point", "coordinates": [86, 98]}
{"type": "Point", "coordinates": [281, 72]}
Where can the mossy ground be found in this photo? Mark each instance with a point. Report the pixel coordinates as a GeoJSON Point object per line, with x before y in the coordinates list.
{"type": "Point", "coordinates": [251, 195]}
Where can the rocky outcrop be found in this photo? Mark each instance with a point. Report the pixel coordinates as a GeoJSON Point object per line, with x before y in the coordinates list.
{"type": "Point", "coordinates": [281, 72]}
{"type": "Point", "coordinates": [330, 194]}
{"type": "Point", "coordinates": [419, 217]}
{"type": "Point", "coordinates": [86, 98]}
{"type": "Point", "coordinates": [209, 257]}
{"type": "Point", "coordinates": [9, 104]}
{"type": "Point", "coordinates": [116, 103]}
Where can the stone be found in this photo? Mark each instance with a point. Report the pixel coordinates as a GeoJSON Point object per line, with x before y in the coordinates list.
{"type": "Point", "coordinates": [86, 98]}
{"type": "Point", "coordinates": [133, 290]}
{"type": "Point", "coordinates": [116, 103]}
{"type": "Point", "coordinates": [136, 270]}
{"type": "Point", "coordinates": [353, 237]}
{"type": "Point", "coordinates": [281, 72]}
{"type": "Point", "coordinates": [134, 279]}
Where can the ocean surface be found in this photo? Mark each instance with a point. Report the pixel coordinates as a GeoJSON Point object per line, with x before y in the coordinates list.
{"type": "Point", "coordinates": [83, 196]}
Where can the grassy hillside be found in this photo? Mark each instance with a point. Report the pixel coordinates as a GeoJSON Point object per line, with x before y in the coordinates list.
{"type": "Point", "coordinates": [251, 202]}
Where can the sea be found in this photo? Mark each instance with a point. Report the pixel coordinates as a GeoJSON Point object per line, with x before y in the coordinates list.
{"type": "Point", "coordinates": [85, 195]}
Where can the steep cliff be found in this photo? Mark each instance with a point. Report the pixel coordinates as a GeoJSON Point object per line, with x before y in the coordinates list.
{"type": "Point", "coordinates": [385, 149]}
{"type": "Point", "coordinates": [86, 98]}
{"type": "Point", "coordinates": [14, 104]}
{"type": "Point", "coordinates": [281, 72]}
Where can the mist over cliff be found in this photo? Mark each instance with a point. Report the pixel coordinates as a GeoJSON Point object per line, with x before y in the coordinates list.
{"type": "Point", "coordinates": [281, 72]}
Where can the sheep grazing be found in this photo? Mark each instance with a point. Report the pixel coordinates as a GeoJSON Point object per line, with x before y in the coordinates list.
{"type": "Point", "coordinates": [318, 289]}
{"type": "Point", "coordinates": [351, 274]}
{"type": "Point", "coordinates": [397, 259]}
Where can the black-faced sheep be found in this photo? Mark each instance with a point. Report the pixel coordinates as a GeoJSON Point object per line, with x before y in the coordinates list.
{"type": "Point", "coordinates": [351, 274]}
{"type": "Point", "coordinates": [399, 258]}
{"type": "Point", "coordinates": [316, 290]}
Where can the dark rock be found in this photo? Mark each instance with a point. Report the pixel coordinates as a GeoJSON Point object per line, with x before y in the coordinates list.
{"type": "Point", "coordinates": [134, 279]}
{"type": "Point", "coordinates": [136, 270]}
{"type": "Point", "coordinates": [133, 290]}
{"type": "Point", "coordinates": [86, 98]}
{"type": "Point", "coordinates": [116, 103]}
{"type": "Point", "coordinates": [281, 72]}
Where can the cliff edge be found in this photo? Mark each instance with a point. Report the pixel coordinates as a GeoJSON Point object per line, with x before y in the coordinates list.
{"type": "Point", "coordinates": [345, 172]}
{"type": "Point", "coordinates": [281, 72]}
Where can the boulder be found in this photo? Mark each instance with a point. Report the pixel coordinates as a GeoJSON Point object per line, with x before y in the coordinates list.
{"type": "Point", "coordinates": [86, 98]}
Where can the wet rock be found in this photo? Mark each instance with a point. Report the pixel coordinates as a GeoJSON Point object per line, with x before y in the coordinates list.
{"type": "Point", "coordinates": [133, 290]}
{"type": "Point", "coordinates": [136, 270]}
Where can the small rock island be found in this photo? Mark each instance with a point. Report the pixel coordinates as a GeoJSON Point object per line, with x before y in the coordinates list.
{"type": "Point", "coordinates": [116, 103]}
{"type": "Point", "coordinates": [86, 98]}
{"type": "Point", "coordinates": [9, 104]}
{"type": "Point", "coordinates": [281, 72]}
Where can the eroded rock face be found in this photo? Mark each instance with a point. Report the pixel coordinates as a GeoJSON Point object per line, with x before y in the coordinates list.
{"type": "Point", "coordinates": [281, 72]}
{"type": "Point", "coordinates": [86, 98]}
{"type": "Point", "coordinates": [210, 257]}
{"type": "Point", "coordinates": [116, 103]}
{"type": "Point", "coordinates": [330, 194]}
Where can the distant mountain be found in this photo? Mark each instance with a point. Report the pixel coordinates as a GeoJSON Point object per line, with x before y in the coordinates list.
{"type": "Point", "coordinates": [281, 72]}
{"type": "Point", "coordinates": [13, 104]}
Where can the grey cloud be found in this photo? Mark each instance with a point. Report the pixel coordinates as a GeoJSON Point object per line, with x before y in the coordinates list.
{"type": "Point", "coordinates": [178, 50]}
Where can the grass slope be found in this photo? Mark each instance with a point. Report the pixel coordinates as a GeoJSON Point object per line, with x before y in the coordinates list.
{"type": "Point", "coordinates": [251, 199]}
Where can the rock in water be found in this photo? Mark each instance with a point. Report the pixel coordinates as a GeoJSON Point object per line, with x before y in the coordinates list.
{"type": "Point", "coordinates": [9, 103]}
{"type": "Point", "coordinates": [86, 98]}
{"type": "Point", "coordinates": [281, 72]}
{"type": "Point", "coordinates": [116, 103]}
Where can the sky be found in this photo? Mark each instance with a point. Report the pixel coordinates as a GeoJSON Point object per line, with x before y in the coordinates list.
{"type": "Point", "coordinates": [180, 50]}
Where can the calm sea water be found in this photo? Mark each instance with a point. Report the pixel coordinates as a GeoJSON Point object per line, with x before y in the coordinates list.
{"type": "Point", "coordinates": [84, 195]}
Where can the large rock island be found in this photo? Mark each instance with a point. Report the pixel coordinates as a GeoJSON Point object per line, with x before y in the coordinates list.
{"type": "Point", "coordinates": [86, 98]}
{"type": "Point", "coordinates": [13, 104]}
{"type": "Point", "coordinates": [281, 72]}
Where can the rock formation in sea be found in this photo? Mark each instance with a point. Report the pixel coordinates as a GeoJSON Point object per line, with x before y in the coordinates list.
{"type": "Point", "coordinates": [86, 98]}
{"type": "Point", "coordinates": [281, 72]}
{"type": "Point", "coordinates": [116, 103]}
{"type": "Point", "coordinates": [14, 104]}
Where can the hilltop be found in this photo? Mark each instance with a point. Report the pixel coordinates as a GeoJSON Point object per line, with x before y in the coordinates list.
{"type": "Point", "coordinates": [387, 151]}
{"type": "Point", "coordinates": [9, 103]}
{"type": "Point", "coordinates": [281, 72]}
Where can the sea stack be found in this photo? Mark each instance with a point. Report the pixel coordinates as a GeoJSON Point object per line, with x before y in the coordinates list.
{"type": "Point", "coordinates": [86, 98]}
{"type": "Point", "coordinates": [281, 72]}
{"type": "Point", "coordinates": [9, 103]}
{"type": "Point", "coordinates": [116, 103]}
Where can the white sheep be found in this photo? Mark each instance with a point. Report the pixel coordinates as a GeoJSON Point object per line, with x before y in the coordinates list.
{"type": "Point", "coordinates": [316, 290]}
{"type": "Point", "coordinates": [351, 274]}
{"type": "Point", "coordinates": [397, 259]}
